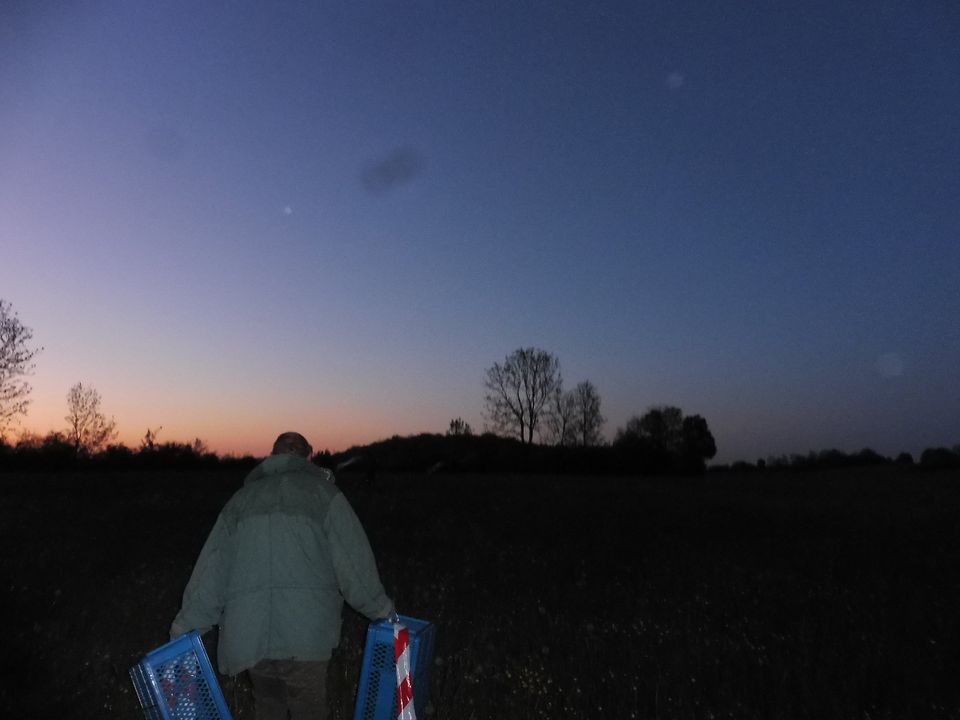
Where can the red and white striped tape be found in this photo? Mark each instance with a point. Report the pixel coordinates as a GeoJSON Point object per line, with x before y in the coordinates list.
{"type": "Point", "coordinates": [401, 652]}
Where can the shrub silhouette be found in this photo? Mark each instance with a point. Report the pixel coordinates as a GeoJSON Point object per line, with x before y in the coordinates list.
{"type": "Point", "coordinates": [940, 458]}
{"type": "Point", "coordinates": [664, 441]}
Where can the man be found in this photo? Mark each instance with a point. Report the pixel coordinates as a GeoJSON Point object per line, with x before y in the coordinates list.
{"type": "Point", "coordinates": [285, 552]}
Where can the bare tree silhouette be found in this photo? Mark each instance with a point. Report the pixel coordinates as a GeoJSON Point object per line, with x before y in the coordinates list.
{"type": "Point", "coordinates": [149, 441]}
{"type": "Point", "coordinates": [16, 361]}
{"type": "Point", "coordinates": [519, 389]}
{"type": "Point", "coordinates": [89, 430]}
{"type": "Point", "coordinates": [458, 426]}
{"type": "Point", "coordinates": [560, 417]}
{"type": "Point", "coordinates": [587, 420]}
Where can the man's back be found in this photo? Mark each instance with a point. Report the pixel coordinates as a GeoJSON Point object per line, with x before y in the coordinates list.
{"type": "Point", "coordinates": [285, 551]}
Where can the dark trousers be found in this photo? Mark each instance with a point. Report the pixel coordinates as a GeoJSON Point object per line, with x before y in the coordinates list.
{"type": "Point", "coordinates": [290, 686]}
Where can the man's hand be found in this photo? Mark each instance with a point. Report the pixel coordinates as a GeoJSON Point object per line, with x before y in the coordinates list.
{"type": "Point", "coordinates": [177, 630]}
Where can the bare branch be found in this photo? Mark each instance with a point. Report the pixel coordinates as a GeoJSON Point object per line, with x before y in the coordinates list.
{"type": "Point", "coordinates": [16, 362]}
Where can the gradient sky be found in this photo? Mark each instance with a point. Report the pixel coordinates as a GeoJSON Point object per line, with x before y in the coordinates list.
{"type": "Point", "coordinates": [238, 218]}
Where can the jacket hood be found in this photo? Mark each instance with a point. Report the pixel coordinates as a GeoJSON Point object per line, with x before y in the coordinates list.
{"type": "Point", "coordinates": [280, 464]}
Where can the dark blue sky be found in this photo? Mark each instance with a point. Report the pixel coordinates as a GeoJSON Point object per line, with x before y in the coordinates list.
{"type": "Point", "coordinates": [237, 217]}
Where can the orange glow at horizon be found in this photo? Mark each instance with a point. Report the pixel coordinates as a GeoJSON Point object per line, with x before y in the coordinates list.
{"type": "Point", "coordinates": [226, 433]}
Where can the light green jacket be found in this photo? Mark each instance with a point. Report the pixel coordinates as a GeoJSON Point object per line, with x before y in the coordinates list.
{"type": "Point", "coordinates": [285, 552]}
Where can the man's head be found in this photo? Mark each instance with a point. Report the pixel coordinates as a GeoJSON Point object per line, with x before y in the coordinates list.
{"type": "Point", "coordinates": [291, 443]}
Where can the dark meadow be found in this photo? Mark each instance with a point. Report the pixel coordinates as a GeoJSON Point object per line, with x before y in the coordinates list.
{"type": "Point", "coordinates": [794, 591]}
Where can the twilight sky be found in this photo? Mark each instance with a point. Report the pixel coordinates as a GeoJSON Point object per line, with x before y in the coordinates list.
{"type": "Point", "coordinates": [238, 218]}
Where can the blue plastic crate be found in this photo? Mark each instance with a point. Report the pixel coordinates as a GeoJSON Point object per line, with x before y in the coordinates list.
{"type": "Point", "coordinates": [377, 693]}
{"type": "Point", "coordinates": [176, 682]}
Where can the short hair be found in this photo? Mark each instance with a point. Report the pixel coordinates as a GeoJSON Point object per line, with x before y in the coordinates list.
{"type": "Point", "coordinates": [292, 443]}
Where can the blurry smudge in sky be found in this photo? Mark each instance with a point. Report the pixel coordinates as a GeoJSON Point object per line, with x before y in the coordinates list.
{"type": "Point", "coordinates": [890, 365]}
{"type": "Point", "coordinates": [397, 168]}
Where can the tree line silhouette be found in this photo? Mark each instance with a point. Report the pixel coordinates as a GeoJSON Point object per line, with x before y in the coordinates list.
{"type": "Point", "coordinates": [57, 451]}
{"type": "Point", "coordinates": [934, 458]}
{"type": "Point", "coordinates": [445, 453]}
{"type": "Point", "coordinates": [533, 424]}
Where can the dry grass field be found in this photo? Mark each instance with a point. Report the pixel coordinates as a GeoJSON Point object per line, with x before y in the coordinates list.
{"type": "Point", "coordinates": [764, 595]}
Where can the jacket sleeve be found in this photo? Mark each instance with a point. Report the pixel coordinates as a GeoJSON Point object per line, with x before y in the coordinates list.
{"type": "Point", "coordinates": [203, 598]}
{"type": "Point", "coordinates": [353, 561]}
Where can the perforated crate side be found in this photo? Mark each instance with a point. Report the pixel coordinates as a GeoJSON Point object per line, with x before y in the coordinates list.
{"type": "Point", "coordinates": [177, 682]}
{"type": "Point", "coordinates": [377, 692]}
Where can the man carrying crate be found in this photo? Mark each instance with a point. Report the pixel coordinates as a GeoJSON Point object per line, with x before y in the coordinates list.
{"type": "Point", "coordinates": [285, 552]}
